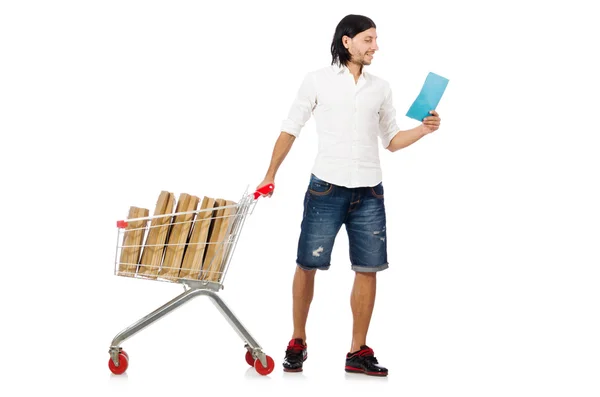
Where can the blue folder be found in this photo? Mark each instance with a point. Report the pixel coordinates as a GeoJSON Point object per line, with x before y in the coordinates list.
{"type": "Point", "coordinates": [429, 97]}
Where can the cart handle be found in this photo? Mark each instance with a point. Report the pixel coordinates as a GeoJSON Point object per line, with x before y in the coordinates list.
{"type": "Point", "coordinates": [264, 190]}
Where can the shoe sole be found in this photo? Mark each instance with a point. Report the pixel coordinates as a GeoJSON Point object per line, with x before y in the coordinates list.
{"type": "Point", "coordinates": [353, 370]}
{"type": "Point", "coordinates": [292, 370]}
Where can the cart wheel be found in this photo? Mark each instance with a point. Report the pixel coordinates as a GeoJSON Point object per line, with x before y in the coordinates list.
{"type": "Point", "coordinates": [123, 364]}
{"type": "Point", "coordinates": [249, 358]}
{"type": "Point", "coordinates": [126, 355]}
{"type": "Point", "coordinates": [262, 370]}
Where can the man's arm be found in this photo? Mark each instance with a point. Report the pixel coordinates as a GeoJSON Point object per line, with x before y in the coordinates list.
{"type": "Point", "coordinates": [282, 148]}
{"type": "Point", "coordinates": [406, 138]}
{"type": "Point", "coordinates": [299, 113]}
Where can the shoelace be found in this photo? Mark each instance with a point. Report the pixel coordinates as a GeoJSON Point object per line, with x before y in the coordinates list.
{"type": "Point", "coordinates": [371, 359]}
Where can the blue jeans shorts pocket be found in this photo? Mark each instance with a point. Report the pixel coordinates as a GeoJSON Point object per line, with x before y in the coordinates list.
{"type": "Point", "coordinates": [377, 191]}
{"type": "Point", "coordinates": [319, 187]}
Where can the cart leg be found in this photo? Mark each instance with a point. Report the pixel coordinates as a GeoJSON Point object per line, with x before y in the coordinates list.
{"type": "Point", "coordinates": [177, 302]}
{"type": "Point", "coordinates": [149, 319]}
{"type": "Point", "coordinates": [250, 343]}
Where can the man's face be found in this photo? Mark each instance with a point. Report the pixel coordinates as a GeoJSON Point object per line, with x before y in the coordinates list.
{"type": "Point", "coordinates": [362, 46]}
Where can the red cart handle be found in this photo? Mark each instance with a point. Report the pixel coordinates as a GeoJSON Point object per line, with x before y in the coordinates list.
{"type": "Point", "coordinates": [264, 190]}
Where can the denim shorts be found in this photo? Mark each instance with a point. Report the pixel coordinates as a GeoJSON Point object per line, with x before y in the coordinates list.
{"type": "Point", "coordinates": [326, 208]}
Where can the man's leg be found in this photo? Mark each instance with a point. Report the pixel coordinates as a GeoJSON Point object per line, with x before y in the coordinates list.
{"type": "Point", "coordinates": [362, 302]}
{"type": "Point", "coordinates": [368, 253]}
{"type": "Point", "coordinates": [302, 291]}
{"type": "Point", "coordinates": [324, 211]}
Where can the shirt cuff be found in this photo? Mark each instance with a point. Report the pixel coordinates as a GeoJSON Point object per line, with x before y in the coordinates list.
{"type": "Point", "coordinates": [387, 138]}
{"type": "Point", "coordinates": [291, 127]}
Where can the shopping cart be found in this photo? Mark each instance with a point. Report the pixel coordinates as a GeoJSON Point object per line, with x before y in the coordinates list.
{"type": "Point", "coordinates": [206, 280]}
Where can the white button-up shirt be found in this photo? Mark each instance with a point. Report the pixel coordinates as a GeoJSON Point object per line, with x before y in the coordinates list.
{"type": "Point", "coordinates": [349, 116]}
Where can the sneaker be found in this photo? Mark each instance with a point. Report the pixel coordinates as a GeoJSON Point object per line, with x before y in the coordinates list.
{"type": "Point", "coordinates": [295, 355]}
{"type": "Point", "coordinates": [364, 362]}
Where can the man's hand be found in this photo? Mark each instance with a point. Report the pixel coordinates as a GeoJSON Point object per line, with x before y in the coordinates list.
{"type": "Point", "coordinates": [266, 181]}
{"type": "Point", "coordinates": [431, 123]}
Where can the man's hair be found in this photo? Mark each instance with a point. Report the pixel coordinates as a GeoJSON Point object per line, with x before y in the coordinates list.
{"type": "Point", "coordinates": [350, 26]}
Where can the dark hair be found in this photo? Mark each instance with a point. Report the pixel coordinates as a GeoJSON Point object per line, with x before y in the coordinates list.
{"type": "Point", "coordinates": [350, 26]}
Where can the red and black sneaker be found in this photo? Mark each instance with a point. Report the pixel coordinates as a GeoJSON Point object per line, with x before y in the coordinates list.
{"type": "Point", "coordinates": [364, 362]}
{"type": "Point", "coordinates": [295, 355]}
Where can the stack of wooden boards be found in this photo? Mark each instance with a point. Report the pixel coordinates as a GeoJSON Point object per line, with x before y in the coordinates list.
{"type": "Point", "coordinates": [185, 246]}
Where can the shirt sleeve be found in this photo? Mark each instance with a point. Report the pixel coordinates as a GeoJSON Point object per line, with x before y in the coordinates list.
{"type": "Point", "coordinates": [302, 108]}
{"type": "Point", "coordinates": [388, 128]}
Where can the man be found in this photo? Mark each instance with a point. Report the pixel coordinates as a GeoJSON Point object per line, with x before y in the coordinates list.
{"type": "Point", "coordinates": [352, 109]}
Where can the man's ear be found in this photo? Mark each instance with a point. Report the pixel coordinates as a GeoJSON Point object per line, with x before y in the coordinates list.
{"type": "Point", "coordinates": [346, 42]}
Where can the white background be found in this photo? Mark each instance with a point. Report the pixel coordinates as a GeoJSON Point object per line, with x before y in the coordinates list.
{"type": "Point", "coordinates": [492, 220]}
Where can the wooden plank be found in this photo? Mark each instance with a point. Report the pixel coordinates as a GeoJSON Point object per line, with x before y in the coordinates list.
{"type": "Point", "coordinates": [213, 263]}
{"type": "Point", "coordinates": [192, 261]}
{"type": "Point", "coordinates": [132, 242]}
{"type": "Point", "coordinates": [157, 236]}
{"type": "Point", "coordinates": [178, 237]}
{"type": "Point", "coordinates": [212, 239]}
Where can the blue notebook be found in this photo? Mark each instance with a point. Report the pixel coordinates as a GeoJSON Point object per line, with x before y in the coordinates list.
{"type": "Point", "coordinates": [429, 97]}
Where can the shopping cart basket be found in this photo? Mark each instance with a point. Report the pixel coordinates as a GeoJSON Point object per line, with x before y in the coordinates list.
{"type": "Point", "coordinates": [205, 278]}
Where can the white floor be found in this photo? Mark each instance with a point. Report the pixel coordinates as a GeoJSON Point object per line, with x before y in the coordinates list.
{"type": "Point", "coordinates": [449, 346]}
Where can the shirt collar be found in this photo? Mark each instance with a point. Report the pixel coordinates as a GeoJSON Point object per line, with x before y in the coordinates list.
{"type": "Point", "coordinates": [344, 69]}
{"type": "Point", "coordinates": [339, 68]}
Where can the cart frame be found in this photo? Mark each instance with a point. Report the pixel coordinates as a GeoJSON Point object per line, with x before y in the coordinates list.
{"type": "Point", "coordinates": [119, 360]}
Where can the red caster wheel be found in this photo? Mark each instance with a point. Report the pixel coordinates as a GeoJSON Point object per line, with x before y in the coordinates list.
{"type": "Point", "coordinates": [262, 370]}
{"type": "Point", "coordinates": [249, 358]}
{"type": "Point", "coordinates": [123, 364]}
